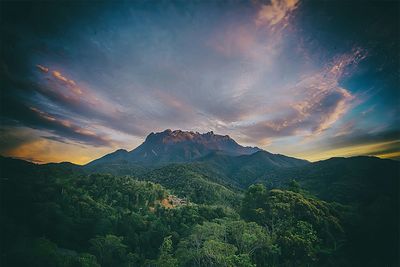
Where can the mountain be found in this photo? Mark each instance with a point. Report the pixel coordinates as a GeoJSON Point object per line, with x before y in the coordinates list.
{"type": "Point", "coordinates": [176, 146]}
{"type": "Point", "coordinates": [220, 156]}
{"type": "Point", "coordinates": [245, 170]}
{"type": "Point", "coordinates": [344, 208]}
{"type": "Point", "coordinates": [346, 180]}
{"type": "Point", "coordinates": [9, 167]}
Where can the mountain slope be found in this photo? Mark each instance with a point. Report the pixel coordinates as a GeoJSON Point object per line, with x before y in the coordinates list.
{"type": "Point", "coordinates": [248, 169]}
{"type": "Point", "coordinates": [347, 180]}
{"type": "Point", "coordinates": [176, 146]}
{"type": "Point", "coordinates": [190, 183]}
{"type": "Point", "coordinates": [59, 202]}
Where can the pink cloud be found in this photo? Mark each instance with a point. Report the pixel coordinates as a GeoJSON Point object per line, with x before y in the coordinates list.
{"type": "Point", "coordinates": [310, 106]}
{"type": "Point", "coordinates": [87, 104]}
{"type": "Point", "coordinates": [276, 12]}
{"type": "Point", "coordinates": [65, 127]}
{"type": "Point", "coordinates": [42, 68]}
{"type": "Point", "coordinates": [56, 74]}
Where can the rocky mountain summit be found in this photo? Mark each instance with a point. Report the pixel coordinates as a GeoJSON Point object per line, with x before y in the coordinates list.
{"type": "Point", "coordinates": [179, 146]}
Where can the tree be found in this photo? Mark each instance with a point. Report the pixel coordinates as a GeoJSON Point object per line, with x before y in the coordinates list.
{"type": "Point", "coordinates": [217, 253]}
{"type": "Point", "coordinates": [299, 226]}
{"type": "Point", "coordinates": [88, 260]}
{"type": "Point", "coordinates": [241, 260]}
{"type": "Point", "coordinates": [247, 237]}
{"type": "Point", "coordinates": [294, 186]}
{"type": "Point", "coordinates": [224, 242]}
{"type": "Point", "coordinates": [109, 250]}
{"type": "Point", "coordinates": [299, 244]}
{"type": "Point", "coordinates": [166, 259]}
{"type": "Point", "coordinates": [254, 203]}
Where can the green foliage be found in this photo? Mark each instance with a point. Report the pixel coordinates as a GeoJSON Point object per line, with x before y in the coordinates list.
{"type": "Point", "coordinates": [299, 244]}
{"type": "Point", "coordinates": [294, 186]}
{"type": "Point", "coordinates": [109, 250]}
{"type": "Point", "coordinates": [300, 227]}
{"type": "Point", "coordinates": [223, 243]}
{"type": "Point", "coordinates": [88, 260]}
{"type": "Point", "coordinates": [166, 259]}
{"type": "Point", "coordinates": [184, 181]}
{"type": "Point", "coordinates": [254, 203]}
{"type": "Point", "coordinates": [58, 216]}
{"type": "Point", "coordinates": [41, 252]}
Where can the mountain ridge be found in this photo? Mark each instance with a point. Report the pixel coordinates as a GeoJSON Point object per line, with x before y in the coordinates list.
{"type": "Point", "coordinates": [178, 146]}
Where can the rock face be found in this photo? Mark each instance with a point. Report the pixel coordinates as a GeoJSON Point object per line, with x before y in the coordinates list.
{"type": "Point", "coordinates": [179, 146]}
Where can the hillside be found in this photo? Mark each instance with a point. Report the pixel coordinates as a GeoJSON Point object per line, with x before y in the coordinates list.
{"type": "Point", "coordinates": [257, 209]}
{"type": "Point", "coordinates": [176, 146]}
{"type": "Point", "coordinates": [56, 219]}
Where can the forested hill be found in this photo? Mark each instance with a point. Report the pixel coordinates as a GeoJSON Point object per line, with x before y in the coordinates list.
{"type": "Point", "coordinates": [190, 199]}
{"type": "Point", "coordinates": [219, 210]}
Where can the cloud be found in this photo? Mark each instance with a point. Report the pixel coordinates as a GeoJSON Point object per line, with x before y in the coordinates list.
{"type": "Point", "coordinates": [237, 40]}
{"type": "Point", "coordinates": [16, 112]}
{"type": "Point", "coordinates": [389, 150]}
{"type": "Point", "coordinates": [37, 146]}
{"type": "Point", "coordinates": [85, 103]}
{"type": "Point", "coordinates": [351, 141]}
{"type": "Point", "coordinates": [56, 138]}
{"type": "Point", "coordinates": [60, 77]}
{"type": "Point", "coordinates": [345, 128]}
{"type": "Point", "coordinates": [171, 103]}
{"type": "Point", "coordinates": [368, 110]}
{"type": "Point", "coordinates": [362, 137]}
{"type": "Point", "coordinates": [42, 68]}
{"type": "Point", "coordinates": [64, 127]}
{"type": "Point", "coordinates": [64, 88]}
{"type": "Point", "coordinates": [11, 137]}
{"type": "Point", "coordinates": [308, 107]}
{"type": "Point", "coordinates": [276, 12]}
{"type": "Point", "coordinates": [259, 39]}
{"type": "Point", "coordinates": [244, 69]}
{"type": "Point", "coordinates": [59, 105]}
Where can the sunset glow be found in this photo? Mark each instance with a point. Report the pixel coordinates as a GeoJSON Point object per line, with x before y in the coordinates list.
{"type": "Point", "coordinates": [272, 74]}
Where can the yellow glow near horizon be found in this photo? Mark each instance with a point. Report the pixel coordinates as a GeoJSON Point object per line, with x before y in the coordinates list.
{"type": "Point", "coordinates": [350, 151]}
{"type": "Point", "coordinates": [45, 151]}
{"type": "Point", "coordinates": [389, 155]}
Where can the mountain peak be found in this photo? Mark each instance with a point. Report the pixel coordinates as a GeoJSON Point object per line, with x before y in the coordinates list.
{"type": "Point", "coordinates": [178, 136]}
{"type": "Point", "coordinates": [180, 146]}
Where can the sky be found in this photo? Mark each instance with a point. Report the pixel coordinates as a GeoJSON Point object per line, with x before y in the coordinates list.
{"type": "Point", "coordinates": [309, 79]}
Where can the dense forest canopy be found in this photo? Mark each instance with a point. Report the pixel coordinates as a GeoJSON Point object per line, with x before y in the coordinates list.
{"type": "Point", "coordinates": [177, 215]}
{"type": "Point", "coordinates": [199, 133]}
